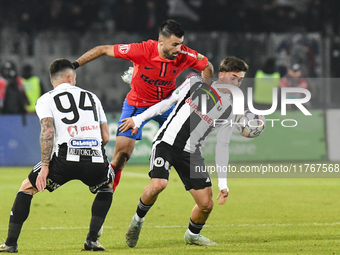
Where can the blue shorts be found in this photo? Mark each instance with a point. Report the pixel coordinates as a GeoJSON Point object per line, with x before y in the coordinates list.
{"type": "Point", "coordinates": [129, 111]}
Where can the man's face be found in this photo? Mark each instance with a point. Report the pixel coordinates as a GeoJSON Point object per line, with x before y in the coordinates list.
{"type": "Point", "coordinates": [232, 78]}
{"type": "Point", "coordinates": [170, 47]}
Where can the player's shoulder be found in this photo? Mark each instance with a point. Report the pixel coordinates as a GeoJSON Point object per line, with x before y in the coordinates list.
{"type": "Point", "coordinates": [190, 53]}
{"type": "Point", "coordinates": [149, 44]}
{"type": "Point", "coordinates": [189, 82]}
{"type": "Point", "coordinates": [87, 91]}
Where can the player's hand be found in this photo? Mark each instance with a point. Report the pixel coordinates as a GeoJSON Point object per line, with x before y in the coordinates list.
{"type": "Point", "coordinates": [41, 179]}
{"type": "Point", "coordinates": [223, 195]}
{"type": "Point", "coordinates": [127, 124]}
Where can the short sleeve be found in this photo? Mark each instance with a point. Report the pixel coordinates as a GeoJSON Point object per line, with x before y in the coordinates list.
{"type": "Point", "coordinates": [197, 61]}
{"type": "Point", "coordinates": [133, 52]}
{"type": "Point", "coordinates": [43, 108]}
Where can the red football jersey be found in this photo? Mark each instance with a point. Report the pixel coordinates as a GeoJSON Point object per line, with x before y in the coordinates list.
{"type": "Point", "coordinates": [154, 77]}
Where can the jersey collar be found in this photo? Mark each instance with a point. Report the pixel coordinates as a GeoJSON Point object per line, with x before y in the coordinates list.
{"type": "Point", "coordinates": [63, 86]}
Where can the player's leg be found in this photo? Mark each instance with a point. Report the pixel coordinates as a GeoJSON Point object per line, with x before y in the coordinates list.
{"type": "Point", "coordinates": [19, 214]}
{"type": "Point", "coordinates": [122, 153]}
{"type": "Point", "coordinates": [99, 178]}
{"type": "Point", "coordinates": [125, 142]}
{"type": "Point", "coordinates": [159, 173]}
{"type": "Point", "coordinates": [100, 208]}
{"type": "Point", "coordinates": [199, 185]}
{"type": "Point", "coordinates": [199, 215]}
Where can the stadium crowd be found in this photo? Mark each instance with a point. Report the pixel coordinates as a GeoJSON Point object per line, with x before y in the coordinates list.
{"type": "Point", "coordinates": [197, 15]}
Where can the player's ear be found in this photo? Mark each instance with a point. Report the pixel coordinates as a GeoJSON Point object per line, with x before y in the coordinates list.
{"type": "Point", "coordinates": [69, 78]}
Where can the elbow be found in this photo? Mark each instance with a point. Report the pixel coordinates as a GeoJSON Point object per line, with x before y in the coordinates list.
{"type": "Point", "coordinates": [105, 50]}
{"type": "Point", "coordinates": [105, 139]}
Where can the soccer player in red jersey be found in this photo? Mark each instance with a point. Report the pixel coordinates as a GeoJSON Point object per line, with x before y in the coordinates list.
{"type": "Point", "coordinates": [157, 64]}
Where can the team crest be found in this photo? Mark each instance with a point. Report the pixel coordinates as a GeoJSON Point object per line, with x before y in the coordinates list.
{"type": "Point", "coordinates": [124, 48]}
{"type": "Point", "coordinates": [174, 71]}
{"type": "Point", "coordinates": [200, 56]}
{"type": "Point", "coordinates": [167, 165]}
{"type": "Point", "coordinates": [72, 130]}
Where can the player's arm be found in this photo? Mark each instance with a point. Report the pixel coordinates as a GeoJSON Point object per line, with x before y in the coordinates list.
{"type": "Point", "coordinates": [104, 130]}
{"type": "Point", "coordinates": [208, 71]}
{"type": "Point", "coordinates": [104, 127]}
{"type": "Point", "coordinates": [157, 109]}
{"type": "Point", "coordinates": [222, 160]}
{"type": "Point", "coordinates": [94, 53]}
{"type": "Point", "coordinates": [46, 145]}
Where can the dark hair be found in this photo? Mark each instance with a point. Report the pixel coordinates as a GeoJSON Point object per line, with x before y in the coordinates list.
{"type": "Point", "coordinates": [171, 27]}
{"type": "Point", "coordinates": [60, 64]}
{"type": "Point", "coordinates": [233, 64]}
{"type": "Point", "coordinates": [26, 71]}
{"type": "Point", "coordinates": [269, 66]}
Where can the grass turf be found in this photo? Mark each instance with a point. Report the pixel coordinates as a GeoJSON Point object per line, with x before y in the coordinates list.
{"type": "Point", "coordinates": [261, 216]}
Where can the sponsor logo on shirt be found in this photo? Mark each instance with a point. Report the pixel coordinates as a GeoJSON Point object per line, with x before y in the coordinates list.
{"type": "Point", "coordinates": [155, 82]}
{"type": "Point", "coordinates": [124, 48]}
{"type": "Point", "coordinates": [89, 128]}
{"type": "Point", "coordinates": [84, 143]}
{"type": "Point", "coordinates": [84, 152]}
{"type": "Point", "coordinates": [195, 107]}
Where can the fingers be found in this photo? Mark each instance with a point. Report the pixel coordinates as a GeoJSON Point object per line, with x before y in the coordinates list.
{"type": "Point", "coordinates": [41, 184]}
{"type": "Point", "coordinates": [127, 124]}
{"type": "Point", "coordinates": [222, 197]}
{"type": "Point", "coordinates": [134, 131]}
{"type": "Point", "coordinates": [219, 195]}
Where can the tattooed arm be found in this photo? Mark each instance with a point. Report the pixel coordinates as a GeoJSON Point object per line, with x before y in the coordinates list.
{"type": "Point", "coordinates": [46, 144]}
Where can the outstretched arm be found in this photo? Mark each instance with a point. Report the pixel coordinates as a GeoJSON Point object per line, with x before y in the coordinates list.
{"type": "Point", "coordinates": [94, 53]}
{"type": "Point", "coordinates": [157, 109]}
{"type": "Point", "coordinates": [208, 71]}
{"type": "Point", "coordinates": [46, 144]}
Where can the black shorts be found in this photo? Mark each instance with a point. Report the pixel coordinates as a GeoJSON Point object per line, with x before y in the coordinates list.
{"type": "Point", "coordinates": [94, 175]}
{"type": "Point", "coordinates": [163, 156]}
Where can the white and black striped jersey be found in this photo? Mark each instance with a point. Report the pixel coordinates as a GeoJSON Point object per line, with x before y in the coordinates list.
{"type": "Point", "coordinates": [77, 115]}
{"type": "Point", "coordinates": [187, 127]}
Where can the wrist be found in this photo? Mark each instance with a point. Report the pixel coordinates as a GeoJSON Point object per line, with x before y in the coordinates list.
{"type": "Point", "coordinates": [75, 64]}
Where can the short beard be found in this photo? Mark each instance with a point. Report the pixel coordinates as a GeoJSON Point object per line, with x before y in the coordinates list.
{"type": "Point", "coordinates": [168, 56]}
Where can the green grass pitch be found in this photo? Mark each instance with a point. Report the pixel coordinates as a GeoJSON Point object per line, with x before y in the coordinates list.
{"type": "Point", "coordinates": [261, 216]}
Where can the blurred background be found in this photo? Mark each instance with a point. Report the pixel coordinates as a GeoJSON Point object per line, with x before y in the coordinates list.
{"type": "Point", "coordinates": [293, 42]}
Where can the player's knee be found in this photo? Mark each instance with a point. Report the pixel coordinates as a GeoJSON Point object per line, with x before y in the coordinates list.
{"type": "Point", "coordinates": [158, 185]}
{"type": "Point", "coordinates": [207, 206]}
{"type": "Point", "coordinates": [122, 155]}
{"type": "Point", "coordinates": [27, 187]}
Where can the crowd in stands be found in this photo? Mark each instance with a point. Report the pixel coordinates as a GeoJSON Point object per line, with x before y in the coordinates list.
{"type": "Point", "coordinates": [198, 15]}
{"type": "Point", "coordinates": [19, 91]}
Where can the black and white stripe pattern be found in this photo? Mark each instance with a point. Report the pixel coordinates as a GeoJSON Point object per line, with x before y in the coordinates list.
{"type": "Point", "coordinates": [187, 128]}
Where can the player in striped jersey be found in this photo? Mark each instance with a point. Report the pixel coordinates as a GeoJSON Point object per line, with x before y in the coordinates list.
{"type": "Point", "coordinates": [74, 131]}
{"type": "Point", "coordinates": [179, 143]}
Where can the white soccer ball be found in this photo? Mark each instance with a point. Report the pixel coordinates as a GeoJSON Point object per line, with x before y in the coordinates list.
{"type": "Point", "coordinates": [250, 125]}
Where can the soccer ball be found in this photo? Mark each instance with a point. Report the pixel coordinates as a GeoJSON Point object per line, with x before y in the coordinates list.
{"type": "Point", "coordinates": [250, 125]}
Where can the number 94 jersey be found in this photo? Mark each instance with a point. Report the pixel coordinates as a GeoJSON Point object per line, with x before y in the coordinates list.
{"type": "Point", "coordinates": [77, 116]}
